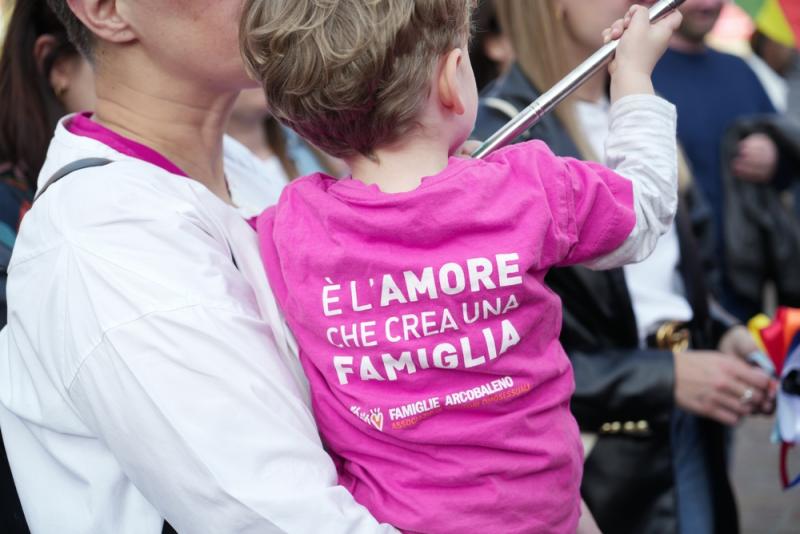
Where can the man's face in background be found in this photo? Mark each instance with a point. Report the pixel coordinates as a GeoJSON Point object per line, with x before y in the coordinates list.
{"type": "Point", "coordinates": [699, 18]}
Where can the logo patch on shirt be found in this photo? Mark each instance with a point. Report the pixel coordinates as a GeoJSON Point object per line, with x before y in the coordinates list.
{"type": "Point", "coordinates": [373, 418]}
{"type": "Point", "coordinates": [376, 417]}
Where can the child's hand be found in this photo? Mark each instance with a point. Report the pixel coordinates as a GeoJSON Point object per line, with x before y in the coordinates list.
{"type": "Point", "coordinates": [640, 47]}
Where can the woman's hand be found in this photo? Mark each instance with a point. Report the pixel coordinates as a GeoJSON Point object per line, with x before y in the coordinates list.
{"type": "Point", "coordinates": [738, 342]}
{"type": "Point", "coordinates": [720, 387]}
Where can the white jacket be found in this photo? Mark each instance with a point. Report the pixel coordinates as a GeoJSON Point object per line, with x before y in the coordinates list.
{"type": "Point", "coordinates": [145, 374]}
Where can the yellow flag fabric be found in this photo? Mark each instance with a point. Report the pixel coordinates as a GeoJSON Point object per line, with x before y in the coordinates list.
{"type": "Point", "coordinates": [772, 21]}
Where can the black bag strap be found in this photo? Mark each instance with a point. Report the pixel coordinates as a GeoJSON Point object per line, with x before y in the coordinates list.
{"type": "Point", "coordinates": [77, 165]}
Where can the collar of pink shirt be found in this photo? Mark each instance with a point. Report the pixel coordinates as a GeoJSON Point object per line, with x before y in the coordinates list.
{"type": "Point", "coordinates": [83, 125]}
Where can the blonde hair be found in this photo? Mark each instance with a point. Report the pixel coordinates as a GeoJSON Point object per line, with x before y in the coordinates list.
{"type": "Point", "coordinates": [349, 75]}
{"type": "Point", "coordinates": [539, 35]}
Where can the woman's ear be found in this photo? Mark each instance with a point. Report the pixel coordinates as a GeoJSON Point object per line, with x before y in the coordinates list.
{"type": "Point", "coordinates": [42, 48]}
{"type": "Point", "coordinates": [58, 77]}
{"type": "Point", "coordinates": [61, 71]}
{"type": "Point", "coordinates": [104, 18]}
{"type": "Point", "coordinates": [62, 74]}
{"type": "Point", "coordinates": [450, 88]}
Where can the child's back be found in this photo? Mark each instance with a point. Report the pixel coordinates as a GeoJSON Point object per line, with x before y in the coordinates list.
{"type": "Point", "coordinates": [428, 336]}
{"type": "Point", "coordinates": [430, 341]}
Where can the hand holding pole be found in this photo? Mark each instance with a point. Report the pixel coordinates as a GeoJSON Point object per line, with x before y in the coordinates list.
{"type": "Point", "coordinates": [550, 99]}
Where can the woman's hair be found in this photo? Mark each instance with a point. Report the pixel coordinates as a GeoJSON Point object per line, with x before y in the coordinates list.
{"type": "Point", "coordinates": [538, 34]}
{"type": "Point", "coordinates": [349, 75]}
{"type": "Point", "coordinates": [79, 35]}
{"type": "Point", "coordinates": [276, 139]}
{"type": "Point", "coordinates": [29, 110]}
{"type": "Point", "coordinates": [485, 26]}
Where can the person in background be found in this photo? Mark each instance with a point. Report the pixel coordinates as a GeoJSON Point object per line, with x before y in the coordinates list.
{"type": "Point", "coordinates": [490, 51]}
{"type": "Point", "coordinates": [711, 90]}
{"type": "Point", "coordinates": [773, 62]}
{"type": "Point", "coordinates": [778, 67]}
{"type": "Point", "coordinates": [248, 128]}
{"type": "Point", "coordinates": [42, 78]}
{"type": "Point", "coordinates": [650, 399]}
{"type": "Point", "coordinates": [281, 152]}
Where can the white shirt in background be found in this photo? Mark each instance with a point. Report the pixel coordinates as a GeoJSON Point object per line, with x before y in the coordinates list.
{"type": "Point", "coordinates": [265, 178]}
{"type": "Point", "coordinates": [145, 374]}
{"type": "Point", "coordinates": [655, 285]}
{"type": "Point", "coordinates": [774, 84]}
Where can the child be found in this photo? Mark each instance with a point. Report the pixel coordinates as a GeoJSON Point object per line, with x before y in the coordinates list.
{"type": "Point", "coordinates": [415, 289]}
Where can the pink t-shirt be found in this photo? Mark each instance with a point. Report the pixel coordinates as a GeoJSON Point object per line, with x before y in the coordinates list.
{"type": "Point", "coordinates": [431, 341]}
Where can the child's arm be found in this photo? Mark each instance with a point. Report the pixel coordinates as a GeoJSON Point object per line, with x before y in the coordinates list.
{"type": "Point", "coordinates": [641, 145]}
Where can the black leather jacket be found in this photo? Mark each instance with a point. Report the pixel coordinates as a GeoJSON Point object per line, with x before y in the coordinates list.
{"type": "Point", "coordinates": [628, 478]}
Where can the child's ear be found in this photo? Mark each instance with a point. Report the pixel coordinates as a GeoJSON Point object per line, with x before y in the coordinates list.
{"type": "Point", "coordinates": [450, 88]}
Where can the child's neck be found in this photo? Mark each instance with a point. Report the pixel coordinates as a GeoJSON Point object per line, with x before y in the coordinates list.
{"type": "Point", "coordinates": [401, 167]}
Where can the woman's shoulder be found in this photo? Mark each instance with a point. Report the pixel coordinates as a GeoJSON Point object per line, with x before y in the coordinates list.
{"type": "Point", "coordinates": [104, 193]}
{"type": "Point", "coordinates": [118, 189]}
{"type": "Point", "coordinates": [127, 225]}
{"type": "Point", "coordinates": [126, 205]}
{"type": "Point", "coordinates": [513, 86]}
{"type": "Point", "coordinates": [503, 99]}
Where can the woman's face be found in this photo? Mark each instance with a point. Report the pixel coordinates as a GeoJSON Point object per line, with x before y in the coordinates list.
{"type": "Point", "coordinates": [194, 39]}
{"type": "Point", "coordinates": [586, 19]}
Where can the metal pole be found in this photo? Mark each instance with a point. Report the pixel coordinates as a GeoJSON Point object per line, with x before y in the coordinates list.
{"type": "Point", "coordinates": [550, 99]}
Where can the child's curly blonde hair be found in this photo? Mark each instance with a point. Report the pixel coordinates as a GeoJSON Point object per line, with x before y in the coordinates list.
{"type": "Point", "coordinates": [349, 75]}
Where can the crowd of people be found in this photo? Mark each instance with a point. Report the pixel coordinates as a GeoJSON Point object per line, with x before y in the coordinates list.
{"type": "Point", "coordinates": [255, 283]}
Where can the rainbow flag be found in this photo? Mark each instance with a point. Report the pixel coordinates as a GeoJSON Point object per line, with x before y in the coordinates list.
{"type": "Point", "coordinates": [777, 19]}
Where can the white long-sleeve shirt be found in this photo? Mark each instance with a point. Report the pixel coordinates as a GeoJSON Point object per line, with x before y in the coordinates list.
{"type": "Point", "coordinates": [655, 285]}
{"type": "Point", "coordinates": [144, 373]}
{"type": "Point", "coordinates": [641, 145]}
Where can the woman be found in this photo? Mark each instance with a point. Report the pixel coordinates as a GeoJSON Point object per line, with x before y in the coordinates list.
{"type": "Point", "coordinates": [636, 395]}
{"type": "Point", "coordinates": [490, 51]}
{"type": "Point", "coordinates": [145, 374]}
{"type": "Point", "coordinates": [250, 126]}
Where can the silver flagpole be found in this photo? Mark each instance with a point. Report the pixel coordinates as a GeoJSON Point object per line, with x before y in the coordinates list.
{"type": "Point", "coordinates": [550, 99]}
